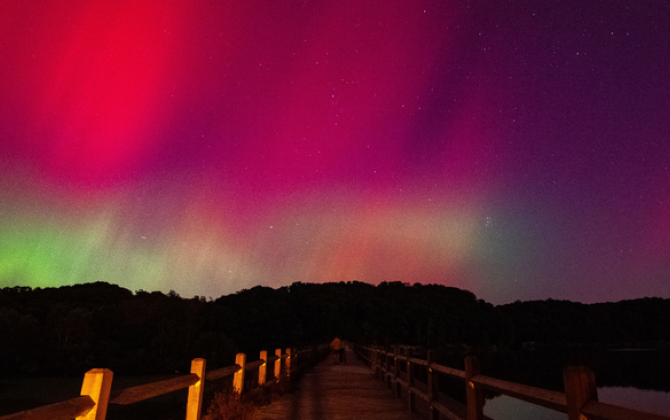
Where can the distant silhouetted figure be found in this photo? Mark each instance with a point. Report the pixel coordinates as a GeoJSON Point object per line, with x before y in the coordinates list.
{"type": "Point", "coordinates": [338, 349]}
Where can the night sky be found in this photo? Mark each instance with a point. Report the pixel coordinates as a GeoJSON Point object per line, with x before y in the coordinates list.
{"type": "Point", "coordinates": [517, 149]}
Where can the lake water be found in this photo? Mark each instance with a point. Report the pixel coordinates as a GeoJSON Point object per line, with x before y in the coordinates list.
{"type": "Point", "coordinates": [619, 373]}
{"type": "Point", "coordinates": [508, 408]}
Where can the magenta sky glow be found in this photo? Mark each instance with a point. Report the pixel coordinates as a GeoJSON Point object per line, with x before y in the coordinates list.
{"type": "Point", "coordinates": [516, 149]}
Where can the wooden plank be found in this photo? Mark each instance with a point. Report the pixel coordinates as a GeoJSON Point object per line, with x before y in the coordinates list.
{"type": "Point", "coordinates": [65, 410]}
{"type": "Point", "coordinates": [396, 370]}
{"type": "Point", "coordinates": [97, 385]}
{"type": "Point", "coordinates": [550, 399]}
{"type": "Point", "coordinates": [254, 365]}
{"type": "Point", "coordinates": [287, 362]}
{"type": "Point", "coordinates": [238, 379]}
{"type": "Point", "coordinates": [598, 410]}
{"type": "Point", "coordinates": [411, 397]}
{"type": "Point", "coordinates": [196, 391]}
{"type": "Point", "coordinates": [278, 364]}
{"type": "Point", "coordinates": [448, 371]}
{"type": "Point", "coordinates": [262, 369]}
{"type": "Point", "coordinates": [433, 391]}
{"type": "Point", "coordinates": [154, 389]}
{"type": "Point", "coordinates": [473, 393]}
{"type": "Point", "coordinates": [419, 362]}
{"type": "Point", "coordinates": [345, 391]}
{"type": "Point", "coordinates": [222, 373]}
{"type": "Point", "coordinates": [580, 387]}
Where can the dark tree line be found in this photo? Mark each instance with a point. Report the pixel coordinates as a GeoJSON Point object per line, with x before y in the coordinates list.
{"type": "Point", "coordinates": [71, 329]}
{"type": "Point", "coordinates": [638, 323]}
{"type": "Point", "coordinates": [74, 328]}
{"type": "Point", "coordinates": [552, 334]}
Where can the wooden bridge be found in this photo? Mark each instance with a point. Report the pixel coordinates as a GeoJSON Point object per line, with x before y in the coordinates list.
{"type": "Point", "coordinates": [377, 384]}
{"type": "Point", "coordinates": [340, 391]}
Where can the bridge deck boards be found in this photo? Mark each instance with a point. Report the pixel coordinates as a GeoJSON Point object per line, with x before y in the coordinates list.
{"type": "Point", "coordinates": [337, 391]}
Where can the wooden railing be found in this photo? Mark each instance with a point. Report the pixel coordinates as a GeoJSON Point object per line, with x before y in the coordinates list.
{"type": "Point", "coordinates": [579, 401]}
{"type": "Point", "coordinates": [96, 390]}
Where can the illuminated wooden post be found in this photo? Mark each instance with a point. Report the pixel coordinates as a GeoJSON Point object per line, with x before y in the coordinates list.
{"type": "Point", "coordinates": [473, 394]}
{"type": "Point", "coordinates": [195, 391]}
{"type": "Point", "coordinates": [262, 369]}
{"type": "Point", "coordinates": [287, 363]}
{"type": "Point", "coordinates": [580, 386]}
{"type": "Point", "coordinates": [97, 385]}
{"type": "Point", "coordinates": [278, 365]}
{"type": "Point", "coordinates": [411, 403]}
{"type": "Point", "coordinates": [238, 379]}
{"type": "Point", "coordinates": [432, 386]}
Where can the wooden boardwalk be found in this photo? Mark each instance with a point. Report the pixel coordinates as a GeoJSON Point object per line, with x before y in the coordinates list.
{"type": "Point", "coordinates": [338, 391]}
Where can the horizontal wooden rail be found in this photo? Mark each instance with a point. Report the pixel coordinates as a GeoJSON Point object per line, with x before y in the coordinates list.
{"type": "Point", "coordinates": [550, 399]}
{"type": "Point", "coordinates": [579, 401]}
{"type": "Point", "coordinates": [254, 365]}
{"type": "Point", "coordinates": [222, 373]}
{"type": "Point", "coordinates": [419, 362]}
{"type": "Point", "coordinates": [65, 410]}
{"type": "Point", "coordinates": [96, 389]}
{"type": "Point", "coordinates": [454, 373]}
{"type": "Point", "coordinates": [153, 389]}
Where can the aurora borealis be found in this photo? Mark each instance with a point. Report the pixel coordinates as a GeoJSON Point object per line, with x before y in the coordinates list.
{"type": "Point", "coordinates": [517, 149]}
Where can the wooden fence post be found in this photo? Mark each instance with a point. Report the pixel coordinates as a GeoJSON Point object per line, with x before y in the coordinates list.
{"type": "Point", "coordinates": [238, 379]}
{"type": "Point", "coordinates": [410, 382]}
{"type": "Point", "coordinates": [473, 394]}
{"type": "Point", "coordinates": [97, 385]}
{"type": "Point", "coordinates": [389, 368]}
{"type": "Point", "coordinates": [278, 364]}
{"type": "Point", "coordinates": [432, 385]}
{"type": "Point", "coordinates": [396, 370]}
{"type": "Point", "coordinates": [262, 369]}
{"type": "Point", "coordinates": [379, 363]}
{"type": "Point", "coordinates": [195, 391]}
{"type": "Point", "coordinates": [379, 358]}
{"type": "Point", "coordinates": [373, 363]}
{"type": "Point", "coordinates": [287, 363]}
{"type": "Point", "coordinates": [580, 386]}
{"type": "Point", "coordinates": [396, 363]}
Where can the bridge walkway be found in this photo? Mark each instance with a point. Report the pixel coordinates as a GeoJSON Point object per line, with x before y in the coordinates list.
{"type": "Point", "coordinates": [337, 392]}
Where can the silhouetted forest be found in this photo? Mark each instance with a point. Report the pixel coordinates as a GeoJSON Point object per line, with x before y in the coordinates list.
{"type": "Point", "coordinates": [71, 329]}
{"type": "Point", "coordinates": [639, 323]}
